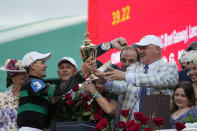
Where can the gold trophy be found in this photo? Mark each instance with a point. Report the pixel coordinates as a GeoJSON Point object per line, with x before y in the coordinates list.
{"type": "Point", "coordinates": [86, 50]}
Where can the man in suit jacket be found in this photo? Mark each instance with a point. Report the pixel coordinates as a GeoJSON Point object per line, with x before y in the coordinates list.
{"type": "Point", "coordinates": [160, 78]}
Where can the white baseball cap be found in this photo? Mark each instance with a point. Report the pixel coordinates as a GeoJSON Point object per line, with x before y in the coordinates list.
{"type": "Point", "coordinates": [149, 40]}
{"type": "Point", "coordinates": [69, 59]}
{"type": "Point", "coordinates": [33, 56]}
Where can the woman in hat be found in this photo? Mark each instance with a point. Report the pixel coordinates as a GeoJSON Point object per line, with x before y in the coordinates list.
{"type": "Point", "coordinates": [16, 75]}
{"type": "Point", "coordinates": [193, 73]}
{"type": "Point", "coordinates": [191, 58]}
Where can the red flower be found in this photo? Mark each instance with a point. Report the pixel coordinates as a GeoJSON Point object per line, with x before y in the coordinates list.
{"type": "Point", "coordinates": [121, 124]}
{"type": "Point", "coordinates": [81, 94]}
{"type": "Point", "coordinates": [138, 115]}
{"type": "Point", "coordinates": [103, 122]}
{"type": "Point", "coordinates": [70, 102]}
{"type": "Point", "coordinates": [100, 111]}
{"type": "Point", "coordinates": [76, 88]}
{"type": "Point", "coordinates": [148, 129]}
{"type": "Point", "coordinates": [98, 127]}
{"type": "Point", "coordinates": [88, 97]}
{"type": "Point", "coordinates": [81, 110]}
{"type": "Point", "coordinates": [127, 129]}
{"type": "Point", "coordinates": [125, 112]}
{"type": "Point", "coordinates": [97, 117]}
{"type": "Point", "coordinates": [68, 96]}
{"type": "Point", "coordinates": [180, 126]}
{"type": "Point", "coordinates": [135, 127]}
{"type": "Point", "coordinates": [144, 120]}
{"type": "Point", "coordinates": [130, 123]}
{"type": "Point", "coordinates": [88, 107]}
{"type": "Point", "coordinates": [158, 121]}
{"type": "Point", "coordinates": [84, 99]}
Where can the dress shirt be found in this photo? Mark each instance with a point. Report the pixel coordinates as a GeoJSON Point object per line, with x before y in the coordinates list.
{"type": "Point", "coordinates": [130, 77]}
{"type": "Point", "coordinates": [104, 47]}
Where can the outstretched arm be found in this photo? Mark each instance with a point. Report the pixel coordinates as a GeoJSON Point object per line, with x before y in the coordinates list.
{"type": "Point", "coordinates": [116, 86]}
{"type": "Point", "coordinates": [118, 43]}
{"type": "Point", "coordinates": [166, 76]}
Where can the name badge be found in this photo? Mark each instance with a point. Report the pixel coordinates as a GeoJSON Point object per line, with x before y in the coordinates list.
{"type": "Point", "coordinates": [37, 85]}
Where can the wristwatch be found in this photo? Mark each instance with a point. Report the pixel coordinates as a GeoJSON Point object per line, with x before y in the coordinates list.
{"type": "Point", "coordinates": [111, 45]}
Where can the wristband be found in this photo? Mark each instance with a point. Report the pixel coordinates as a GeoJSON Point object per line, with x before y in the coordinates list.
{"type": "Point", "coordinates": [99, 95]}
{"type": "Point", "coordinates": [95, 94]}
{"type": "Point", "coordinates": [83, 75]}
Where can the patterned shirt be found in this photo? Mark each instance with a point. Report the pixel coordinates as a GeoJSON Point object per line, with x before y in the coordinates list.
{"type": "Point", "coordinates": [8, 108]}
{"type": "Point", "coordinates": [161, 78]}
{"type": "Point", "coordinates": [192, 112]}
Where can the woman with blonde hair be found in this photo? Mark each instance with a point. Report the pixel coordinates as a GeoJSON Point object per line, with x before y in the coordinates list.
{"type": "Point", "coordinates": [16, 75]}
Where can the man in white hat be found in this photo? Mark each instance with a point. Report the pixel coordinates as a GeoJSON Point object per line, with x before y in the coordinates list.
{"type": "Point", "coordinates": [67, 67]}
{"type": "Point", "coordinates": [152, 74]}
{"type": "Point", "coordinates": [34, 93]}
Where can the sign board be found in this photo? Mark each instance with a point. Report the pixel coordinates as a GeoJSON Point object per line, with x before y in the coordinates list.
{"type": "Point", "coordinates": [174, 22]}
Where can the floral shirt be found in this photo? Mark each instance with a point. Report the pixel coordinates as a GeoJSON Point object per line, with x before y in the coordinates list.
{"type": "Point", "coordinates": [8, 111]}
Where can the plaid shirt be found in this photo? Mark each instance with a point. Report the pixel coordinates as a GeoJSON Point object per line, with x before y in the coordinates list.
{"type": "Point", "coordinates": [162, 78]}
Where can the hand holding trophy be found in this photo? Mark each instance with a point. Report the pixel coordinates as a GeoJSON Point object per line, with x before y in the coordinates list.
{"type": "Point", "coordinates": [88, 50]}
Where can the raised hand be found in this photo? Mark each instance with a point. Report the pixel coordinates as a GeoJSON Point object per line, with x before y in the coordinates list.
{"type": "Point", "coordinates": [119, 43]}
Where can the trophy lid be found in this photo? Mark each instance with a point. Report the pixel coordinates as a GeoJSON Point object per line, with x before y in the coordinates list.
{"type": "Point", "coordinates": [86, 42]}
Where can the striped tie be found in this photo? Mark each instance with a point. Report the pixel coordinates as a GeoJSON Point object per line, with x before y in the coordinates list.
{"type": "Point", "coordinates": [143, 90]}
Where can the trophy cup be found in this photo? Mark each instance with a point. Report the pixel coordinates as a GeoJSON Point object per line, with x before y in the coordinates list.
{"type": "Point", "coordinates": [86, 50]}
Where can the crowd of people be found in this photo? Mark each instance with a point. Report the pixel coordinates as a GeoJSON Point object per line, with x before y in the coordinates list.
{"type": "Point", "coordinates": [25, 106]}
